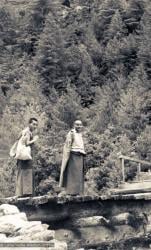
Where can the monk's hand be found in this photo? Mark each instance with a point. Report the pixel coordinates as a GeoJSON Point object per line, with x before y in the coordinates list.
{"type": "Point", "coordinates": [36, 137]}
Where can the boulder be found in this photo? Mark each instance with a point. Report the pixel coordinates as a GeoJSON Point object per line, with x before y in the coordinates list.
{"type": "Point", "coordinates": [91, 221]}
{"type": "Point", "coordinates": [2, 237]}
{"type": "Point", "coordinates": [8, 218]}
{"type": "Point", "coordinates": [46, 235]}
{"type": "Point", "coordinates": [9, 224]}
{"type": "Point", "coordinates": [29, 229]}
{"type": "Point", "coordinates": [6, 209]}
{"type": "Point", "coordinates": [18, 229]}
{"type": "Point", "coordinates": [120, 219]}
{"type": "Point", "coordinates": [60, 245]}
{"type": "Point", "coordinates": [7, 228]}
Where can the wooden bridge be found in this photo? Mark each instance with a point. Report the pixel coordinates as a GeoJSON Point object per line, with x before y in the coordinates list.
{"type": "Point", "coordinates": [90, 221]}
{"type": "Point", "coordinates": [124, 214]}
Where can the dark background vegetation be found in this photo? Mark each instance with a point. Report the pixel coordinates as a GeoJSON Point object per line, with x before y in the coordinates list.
{"type": "Point", "coordinates": [90, 61]}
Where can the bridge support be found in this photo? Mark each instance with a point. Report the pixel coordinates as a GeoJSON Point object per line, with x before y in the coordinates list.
{"type": "Point", "coordinates": [87, 221]}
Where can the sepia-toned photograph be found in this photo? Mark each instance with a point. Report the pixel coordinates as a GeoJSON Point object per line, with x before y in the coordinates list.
{"type": "Point", "coordinates": [75, 116]}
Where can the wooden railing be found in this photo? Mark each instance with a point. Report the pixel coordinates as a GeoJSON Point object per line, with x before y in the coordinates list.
{"type": "Point", "coordinates": [140, 162]}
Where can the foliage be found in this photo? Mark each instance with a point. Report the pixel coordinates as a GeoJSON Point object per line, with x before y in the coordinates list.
{"type": "Point", "coordinates": [90, 62]}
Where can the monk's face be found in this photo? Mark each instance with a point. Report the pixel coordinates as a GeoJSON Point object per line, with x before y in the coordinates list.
{"type": "Point", "coordinates": [78, 126]}
{"type": "Point", "coordinates": [33, 125]}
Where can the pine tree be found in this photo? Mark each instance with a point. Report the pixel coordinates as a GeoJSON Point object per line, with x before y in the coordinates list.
{"type": "Point", "coordinates": [133, 15]}
{"type": "Point", "coordinates": [49, 59]}
{"type": "Point", "coordinates": [142, 144]}
{"type": "Point", "coordinates": [116, 27]}
{"type": "Point", "coordinates": [102, 19]}
{"type": "Point", "coordinates": [122, 52]}
{"type": "Point", "coordinates": [88, 78]}
{"type": "Point", "coordinates": [132, 111]}
{"type": "Point", "coordinates": [144, 53]}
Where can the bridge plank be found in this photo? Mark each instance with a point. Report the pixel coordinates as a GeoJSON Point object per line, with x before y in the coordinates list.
{"type": "Point", "coordinates": [135, 160]}
{"type": "Point", "coordinates": [131, 190]}
{"type": "Point", "coordinates": [42, 200]}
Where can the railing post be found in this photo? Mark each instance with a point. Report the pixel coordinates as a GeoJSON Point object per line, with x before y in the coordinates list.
{"type": "Point", "coordinates": [127, 158]}
{"type": "Point", "coordinates": [123, 169]}
{"type": "Point", "coordinates": [138, 171]}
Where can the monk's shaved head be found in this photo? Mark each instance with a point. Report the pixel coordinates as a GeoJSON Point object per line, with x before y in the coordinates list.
{"type": "Point", "coordinates": [78, 122]}
{"type": "Point", "coordinates": [78, 125]}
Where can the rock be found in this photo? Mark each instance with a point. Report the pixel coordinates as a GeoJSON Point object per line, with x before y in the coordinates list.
{"type": "Point", "coordinates": [7, 228]}
{"type": "Point", "coordinates": [18, 229]}
{"type": "Point", "coordinates": [60, 245]}
{"type": "Point", "coordinates": [28, 229]}
{"type": "Point", "coordinates": [120, 219]}
{"type": "Point", "coordinates": [2, 237]}
{"type": "Point", "coordinates": [8, 218]}
{"type": "Point", "coordinates": [46, 235]}
{"type": "Point", "coordinates": [21, 216]}
{"type": "Point", "coordinates": [6, 209]}
{"type": "Point", "coordinates": [91, 221]}
{"type": "Point", "coordinates": [11, 223]}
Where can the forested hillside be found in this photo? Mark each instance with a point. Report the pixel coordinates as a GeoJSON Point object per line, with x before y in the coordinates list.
{"type": "Point", "coordinates": [78, 59]}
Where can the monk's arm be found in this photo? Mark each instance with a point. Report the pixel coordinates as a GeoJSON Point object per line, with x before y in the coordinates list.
{"type": "Point", "coordinates": [28, 142]}
{"type": "Point", "coordinates": [66, 151]}
{"type": "Point", "coordinates": [68, 142]}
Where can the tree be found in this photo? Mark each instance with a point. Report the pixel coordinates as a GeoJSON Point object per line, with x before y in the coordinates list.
{"type": "Point", "coordinates": [133, 15]}
{"type": "Point", "coordinates": [122, 51]}
{"type": "Point", "coordinates": [116, 27]}
{"type": "Point", "coordinates": [91, 62]}
{"type": "Point", "coordinates": [132, 112]}
{"type": "Point", "coordinates": [144, 53]}
{"type": "Point", "coordinates": [49, 60]}
{"type": "Point", "coordinates": [142, 144]}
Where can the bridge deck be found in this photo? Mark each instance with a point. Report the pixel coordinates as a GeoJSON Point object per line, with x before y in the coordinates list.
{"type": "Point", "coordinates": [44, 199]}
{"type": "Point", "coordinates": [117, 194]}
{"type": "Point", "coordinates": [80, 219]}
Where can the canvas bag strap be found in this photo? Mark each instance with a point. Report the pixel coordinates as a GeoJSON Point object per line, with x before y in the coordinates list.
{"type": "Point", "coordinates": [72, 136]}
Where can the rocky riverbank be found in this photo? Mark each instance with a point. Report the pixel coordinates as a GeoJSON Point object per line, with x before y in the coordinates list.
{"type": "Point", "coordinates": [15, 228]}
{"type": "Point", "coordinates": [89, 222]}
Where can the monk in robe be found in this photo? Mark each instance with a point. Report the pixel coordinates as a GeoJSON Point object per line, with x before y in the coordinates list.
{"type": "Point", "coordinates": [72, 168]}
{"type": "Point", "coordinates": [25, 178]}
